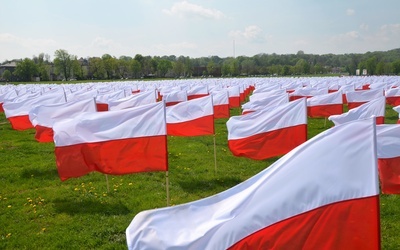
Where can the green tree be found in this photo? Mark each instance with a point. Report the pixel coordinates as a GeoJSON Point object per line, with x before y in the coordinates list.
{"type": "Point", "coordinates": [135, 67]}
{"type": "Point", "coordinates": [6, 75]}
{"type": "Point", "coordinates": [110, 65]}
{"type": "Point", "coordinates": [26, 69]}
{"type": "Point", "coordinates": [163, 67]}
{"type": "Point", "coordinates": [96, 67]}
{"type": "Point", "coordinates": [64, 63]}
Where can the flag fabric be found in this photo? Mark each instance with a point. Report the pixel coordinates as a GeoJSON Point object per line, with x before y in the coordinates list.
{"type": "Point", "coordinates": [388, 152]}
{"type": "Point", "coordinates": [197, 91]}
{"type": "Point", "coordinates": [374, 107]}
{"type": "Point", "coordinates": [261, 104]}
{"type": "Point", "coordinates": [307, 92]}
{"type": "Point", "coordinates": [116, 142]}
{"type": "Point", "coordinates": [191, 118]}
{"type": "Point", "coordinates": [135, 100]}
{"type": "Point", "coordinates": [357, 98]}
{"type": "Point", "coordinates": [262, 95]}
{"type": "Point", "coordinates": [263, 134]}
{"type": "Point", "coordinates": [103, 99]}
{"type": "Point", "coordinates": [43, 117]}
{"type": "Point", "coordinates": [9, 95]}
{"type": "Point", "coordinates": [393, 96]}
{"type": "Point", "coordinates": [175, 97]}
{"type": "Point", "coordinates": [18, 112]}
{"type": "Point", "coordinates": [325, 105]}
{"type": "Point", "coordinates": [234, 96]}
{"type": "Point", "coordinates": [220, 101]}
{"type": "Point", "coordinates": [322, 195]}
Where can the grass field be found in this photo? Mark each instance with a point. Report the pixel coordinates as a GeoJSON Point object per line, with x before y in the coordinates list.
{"type": "Point", "coordinates": [38, 211]}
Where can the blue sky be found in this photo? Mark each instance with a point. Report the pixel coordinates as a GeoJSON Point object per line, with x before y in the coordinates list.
{"type": "Point", "coordinates": [196, 28]}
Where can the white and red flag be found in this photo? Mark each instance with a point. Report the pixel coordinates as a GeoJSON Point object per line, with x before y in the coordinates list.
{"type": "Point", "coordinates": [18, 112]}
{"type": "Point", "coordinates": [388, 151]}
{"type": "Point", "coordinates": [322, 195]}
{"type": "Point", "coordinates": [197, 91]}
{"type": "Point", "coordinates": [263, 134]}
{"type": "Point", "coordinates": [191, 118]}
{"type": "Point", "coordinates": [369, 109]}
{"type": "Point", "coordinates": [139, 99]}
{"type": "Point", "coordinates": [357, 98]}
{"type": "Point", "coordinates": [175, 97]}
{"type": "Point", "coordinates": [43, 117]}
{"type": "Point", "coordinates": [234, 96]}
{"type": "Point", "coordinates": [325, 105]}
{"type": "Point", "coordinates": [393, 96]}
{"type": "Point", "coordinates": [102, 100]}
{"type": "Point", "coordinates": [221, 104]}
{"type": "Point", "coordinates": [117, 142]}
{"type": "Point", "coordinates": [260, 104]}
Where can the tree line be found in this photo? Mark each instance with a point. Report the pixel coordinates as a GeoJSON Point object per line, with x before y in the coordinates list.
{"type": "Point", "coordinates": [66, 66]}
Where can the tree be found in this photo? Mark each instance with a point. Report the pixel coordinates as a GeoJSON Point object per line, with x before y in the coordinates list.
{"type": "Point", "coordinates": [6, 75]}
{"type": "Point", "coordinates": [110, 65]}
{"type": "Point", "coordinates": [163, 67]}
{"type": "Point", "coordinates": [135, 67]}
{"type": "Point", "coordinates": [96, 67]}
{"type": "Point", "coordinates": [26, 69]}
{"type": "Point", "coordinates": [64, 62]}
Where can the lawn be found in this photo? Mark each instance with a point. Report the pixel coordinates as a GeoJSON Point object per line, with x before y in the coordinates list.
{"type": "Point", "coordinates": [38, 211]}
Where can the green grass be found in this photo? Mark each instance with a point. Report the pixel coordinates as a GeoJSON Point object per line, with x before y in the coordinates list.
{"type": "Point", "coordinates": [38, 211]}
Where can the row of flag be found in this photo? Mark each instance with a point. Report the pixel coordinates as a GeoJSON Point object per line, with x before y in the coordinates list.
{"type": "Point", "coordinates": [323, 193]}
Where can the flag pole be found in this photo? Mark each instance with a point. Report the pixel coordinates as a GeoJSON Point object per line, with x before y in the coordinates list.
{"type": "Point", "coordinates": [215, 156]}
{"type": "Point", "coordinates": [108, 186]}
{"type": "Point", "coordinates": [167, 186]}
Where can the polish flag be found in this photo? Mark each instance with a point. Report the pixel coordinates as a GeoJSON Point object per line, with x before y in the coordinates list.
{"type": "Point", "coordinates": [175, 97]}
{"type": "Point", "coordinates": [43, 117]}
{"type": "Point", "coordinates": [344, 89]}
{"type": "Point", "coordinates": [191, 118]}
{"type": "Point", "coordinates": [264, 134]}
{"type": "Point", "coordinates": [261, 104]}
{"type": "Point", "coordinates": [322, 195]}
{"type": "Point", "coordinates": [393, 96]}
{"type": "Point", "coordinates": [118, 142]}
{"type": "Point", "coordinates": [220, 101]}
{"type": "Point", "coordinates": [357, 98]}
{"type": "Point", "coordinates": [197, 91]}
{"type": "Point", "coordinates": [325, 105]}
{"type": "Point", "coordinates": [234, 96]}
{"type": "Point", "coordinates": [388, 151]}
{"type": "Point", "coordinates": [374, 107]}
{"type": "Point", "coordinates": [306, 92]}
{"type": "Point", "coordinates": [135, 100]}
{"type": "Point", "coordinates": [18, 112]}
{"type": "Point", "coordinates": [7, 96]}
{"type": "Point", "coordinates": [262, 95]}
{"type": "Point", "coordinates": [81, 95]}
{"type": "Point", "coordinates": [103, 99]}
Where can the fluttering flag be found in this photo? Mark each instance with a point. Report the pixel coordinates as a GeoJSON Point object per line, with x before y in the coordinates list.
{"type": "Point", "coordinates": [197, 91]}
{"type": "Point", "coordinates": [43, 117]}
{"type": "Point", "coordinates": [234, 96]}
{"type": "Point", "coordinates": [263, 134]}
{"type": "Point", "coordinates": [357, 98]}
{"type": "Point", "coordinates": [325, 105]}
{"type": "Point", "coordinates": [175, 97]}
{"type": "Point", "coordinates": [18, 112]}
{"type": "Point", "coordinates": [322, 195]}
{"type": "Point", "coordinates": [388, 152]}
{"type": "Point", "coordinates": [374, 107]}
{"type": "Point", "coordinates": [393, 96]}
{"type": "Point", "coordinates": [191, 118]}
{"type": "Point", "coordinates": [221, 104]}
{"type": "Point", "coordinates": [260, 104]}
{"type": "Point", "coordinates": [141, 98]}
{"type": "Point", "coordinates": [116, 142]}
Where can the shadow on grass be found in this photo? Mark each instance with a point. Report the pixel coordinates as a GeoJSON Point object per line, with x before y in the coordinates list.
{"type": "Point", "coordinates": [72, 207]}
{"type": "Point", "coordinates": [191, 185]}
{"type": "Point", "coordinates": [47, 174]}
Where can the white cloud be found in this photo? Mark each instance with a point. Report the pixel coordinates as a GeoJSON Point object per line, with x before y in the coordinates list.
{"type": "Point", "coordinates": [250, 33]}
{"type": "Point", "coordinates": [172, 48]}
{"type": "Point", "coordinates": [350, 12]}
{"type": "Point", "coordinates": [186, 9]}
{"type": "Point", "coordinates": [27, 42]}
{"type": "Point", "coordinates": [364, 27]}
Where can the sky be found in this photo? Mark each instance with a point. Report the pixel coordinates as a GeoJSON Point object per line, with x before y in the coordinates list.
{"type": "Point", "coordinates": [196, 28]}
